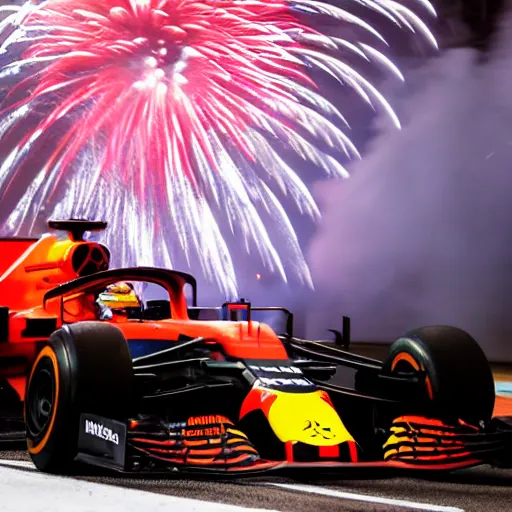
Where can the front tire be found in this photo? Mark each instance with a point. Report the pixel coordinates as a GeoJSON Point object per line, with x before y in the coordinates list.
{"type": "Point", "coordinates": [459, 382]}
{"type": "Point", "coordinates": [85, 368]}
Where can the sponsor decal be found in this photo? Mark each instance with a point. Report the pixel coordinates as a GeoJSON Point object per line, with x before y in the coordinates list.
{"type": "Point", "coordinates": [99, 430]}
{"type": "Point", "coordinates": [102, 440]}
{"type": "Point", "coordinates": [276, 369]}
{"type": "Point", "coordinates": [209, 426]}
{"type": "Point", "coordinates": [204, 432]}
{"type": "Point", "coordinates": [273, 374]}
{"type": "Point", "coordinates": [314, 429]}
{"type": "Point", "coordinates": [285, 382]}
{"type": "Point", "coordinates": [211, 419]}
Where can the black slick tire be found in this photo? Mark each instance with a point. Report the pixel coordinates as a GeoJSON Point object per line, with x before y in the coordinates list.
{"type": "Point", "coordinates": [85, 368]}
{"type": "Point", "coordinates": [459, 380]}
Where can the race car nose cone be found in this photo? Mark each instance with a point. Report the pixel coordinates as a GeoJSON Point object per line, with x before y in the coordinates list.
{"type": "Point", "coordinates": [307, 418]}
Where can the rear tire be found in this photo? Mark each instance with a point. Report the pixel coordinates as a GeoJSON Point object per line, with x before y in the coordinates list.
{"type": "Point", "coordinates": [459, 382]}
{"type": "Point", "coordinates": [85, 368]}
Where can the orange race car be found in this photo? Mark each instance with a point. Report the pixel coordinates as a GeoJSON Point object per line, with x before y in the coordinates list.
{"type": "Point", "coordinates": [108, 378]}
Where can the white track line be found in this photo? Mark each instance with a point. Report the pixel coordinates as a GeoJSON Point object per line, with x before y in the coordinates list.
{"type": "Point", "coordinates": [363, 497]}
{"type": "Point", "coordinates": [17, 463]}
{"type": "Point", "coordinates": [35, 491]}
{"type": "Point", "coordinates": [184, 505]}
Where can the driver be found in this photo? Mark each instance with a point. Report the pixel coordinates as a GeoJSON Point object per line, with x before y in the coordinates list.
{"type": "Point", "coordinates": [117, 300]}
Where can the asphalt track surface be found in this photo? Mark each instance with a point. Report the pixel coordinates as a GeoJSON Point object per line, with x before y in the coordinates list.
{"type": "Point", "coordinates": [478, 489]}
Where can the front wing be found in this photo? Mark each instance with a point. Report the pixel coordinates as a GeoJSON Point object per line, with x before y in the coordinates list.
{"type": "Point", "coordinates": [103, 443]}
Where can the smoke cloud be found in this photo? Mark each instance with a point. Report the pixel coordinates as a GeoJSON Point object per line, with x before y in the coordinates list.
{"type": "Point", "coordinates": [422, 231]}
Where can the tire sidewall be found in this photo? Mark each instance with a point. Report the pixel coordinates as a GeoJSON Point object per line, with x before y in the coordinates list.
{"type": "Point", "coordinates": [60, 447]}
{"type": "Point", "coordinates": [416, 348]}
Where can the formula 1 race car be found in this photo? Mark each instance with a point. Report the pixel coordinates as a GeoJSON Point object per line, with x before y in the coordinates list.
{"type": "Point", "coordinates": [108, 379]}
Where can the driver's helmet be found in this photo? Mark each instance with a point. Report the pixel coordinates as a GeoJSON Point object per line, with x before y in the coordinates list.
{"type": "Point", "coordinates": [117, 298]}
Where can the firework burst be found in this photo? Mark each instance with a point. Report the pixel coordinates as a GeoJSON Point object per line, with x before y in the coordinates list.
{"type": "Point", "coordinates": [165, 115]}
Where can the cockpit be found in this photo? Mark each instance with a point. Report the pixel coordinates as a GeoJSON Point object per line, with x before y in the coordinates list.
{"type": "Point", "coordinates": [119, 300]}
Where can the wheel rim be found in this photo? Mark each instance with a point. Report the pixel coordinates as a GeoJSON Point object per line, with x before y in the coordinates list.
{"type": "Point", "coordinates": [40, 399]}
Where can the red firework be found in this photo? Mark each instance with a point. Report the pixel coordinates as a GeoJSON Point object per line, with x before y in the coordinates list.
{"type": "Point", "coordinates": [157, 75]}
{"type": "Point", "coordinates": [162, 114]}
